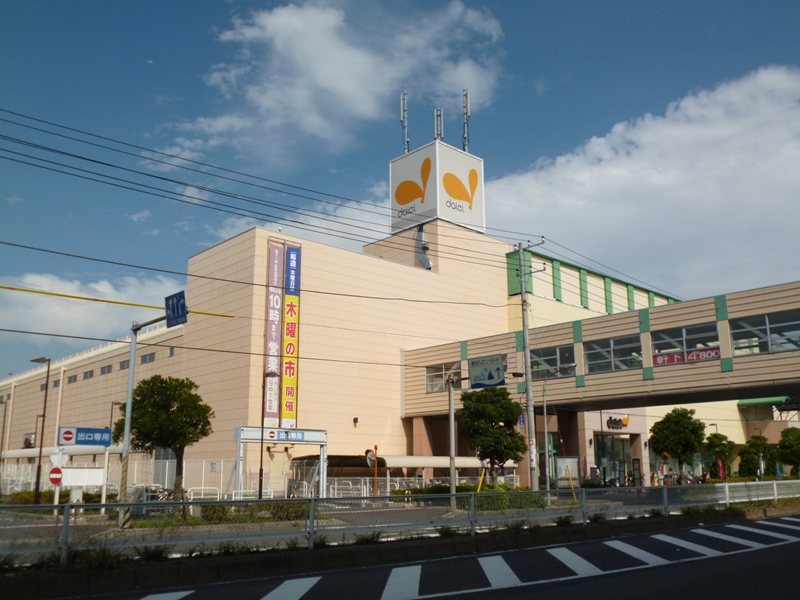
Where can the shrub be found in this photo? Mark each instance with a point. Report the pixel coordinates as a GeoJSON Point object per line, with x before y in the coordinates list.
{"type": "Point", "coordinates": [446, 531]}
{"type": "Point", "coordinates": [597, 518]}
{"type": "Point", "coordinates": [564, 521]}
{"type": "Point", "coordinates": [215, 513]}
{"type": "Point", "coordinates": [372, 537]}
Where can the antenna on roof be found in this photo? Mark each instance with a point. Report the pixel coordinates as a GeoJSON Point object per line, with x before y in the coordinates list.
{"type": "Point", "coordinates": [465, 138]}
{"type": "Point", "coordinates": [404, 119]}
{"type": "Point", "coordinates": [438, 124]}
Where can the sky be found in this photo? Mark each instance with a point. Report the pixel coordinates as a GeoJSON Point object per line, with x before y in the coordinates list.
{"type": "Point", "coordinates": [658, 142]}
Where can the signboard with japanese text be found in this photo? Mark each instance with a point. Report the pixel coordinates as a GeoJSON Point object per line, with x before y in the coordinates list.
{"type": "Point", "coordinates": [674, 358]}
{"type": "Point", "coordinates": [437, 180]}
{"type": "Point", "coordinates": [275, 435]}
{"type": "Point", "coordinates": [273, 336]}
{"type": "Point", "coordinates": [83, 436]}
{"type": "Point", "coordinates": [486, 371]}
{"type": "Point", "coordinates": [291, 339]}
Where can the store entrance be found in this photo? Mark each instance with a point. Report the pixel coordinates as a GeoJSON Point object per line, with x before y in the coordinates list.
{"type": "Point", "coordinates": [613, 458]}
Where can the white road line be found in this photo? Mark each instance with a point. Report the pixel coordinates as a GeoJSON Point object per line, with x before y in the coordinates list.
{"type": "Point", "coordinates": [774, 534]}
{"type": "Point", "coordinates": [642, 555]}
{"type": "Point", "coordinates": [168, 596]}
{"type": "Point", "coordinates": [498, 572]}
{"type": "Point", "coordinates": [581, 567]}
{"type": "Point", "coordinates": [784, 525]}
{"type": "Point", "coordinates": [688, 545]}
{"type": "Point", "coordinates": [791, 519]}
{"type": "Point", "coordinates": [403, 583]}
{"type": "Point", "coordinates": [729, 538]}
{"type": "Point", "coordinates": [294, 589]}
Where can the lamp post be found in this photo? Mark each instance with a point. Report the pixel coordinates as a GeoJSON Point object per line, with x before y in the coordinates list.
{"type": "Point", "coordinates": [111, 417]}
{"type": "Point", "coordinates": [268, 375]}
{"type": "Point", "coordinates": [4, 402]}
{"type": "Point", "coordinates": [41, 360]}
{"type": "Point", "coordinates": [452, 380]}
{"type": "Point", "coordinates": [546, 435]}
{"type": "Point", "coordinates": [714, 425]}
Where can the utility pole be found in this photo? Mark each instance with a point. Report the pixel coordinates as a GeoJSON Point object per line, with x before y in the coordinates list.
{"type": "Point", "coordinates": [526, 341]}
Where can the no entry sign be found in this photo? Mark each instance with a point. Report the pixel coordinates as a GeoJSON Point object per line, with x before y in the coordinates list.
{"type": "Point", "coordinates": [56, 476]}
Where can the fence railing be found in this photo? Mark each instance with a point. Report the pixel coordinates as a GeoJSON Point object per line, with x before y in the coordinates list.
{"type": "Point", "coordinates": [33, 534]}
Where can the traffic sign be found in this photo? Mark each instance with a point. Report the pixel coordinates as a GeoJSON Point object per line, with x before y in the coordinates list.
{"type": "Point", "coordinates": [487, 371]}
{"type": "Point", "coordinates": [175, 306]}
{"type": "Point", "coordinates": [58, 458]}
{"type": "Point", "coordinates": [86, 436]}
{"type": "Point", "coordinates": [56, 475]}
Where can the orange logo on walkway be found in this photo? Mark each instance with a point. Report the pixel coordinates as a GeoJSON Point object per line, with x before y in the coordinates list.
{"type": "Point", "coordinates": [456, 189]}
{"type": "Point", "coordinates": [408, 190]}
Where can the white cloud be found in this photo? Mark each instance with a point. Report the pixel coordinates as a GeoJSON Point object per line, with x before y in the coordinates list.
{"type": "Point", "coordinates": [140, 217]}
{"type": "Point", "coordinates": [14, 200]}
{"type": "Point", "coordinates": [315, 72]}
{"type": "Point", "coordinates": [50, 314]}
{"type": "Point", "coordinates": [701, 200]}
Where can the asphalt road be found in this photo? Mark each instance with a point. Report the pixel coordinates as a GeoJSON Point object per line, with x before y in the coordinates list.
{"type": "Point", "coordinates": [757, 559]}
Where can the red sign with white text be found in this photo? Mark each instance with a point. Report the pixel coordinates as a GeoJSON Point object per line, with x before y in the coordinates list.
{"type": "Point", "coordinates": [673, 358]}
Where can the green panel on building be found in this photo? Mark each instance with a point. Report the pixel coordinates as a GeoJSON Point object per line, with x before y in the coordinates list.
{"type": "Point", "coordinates": [647, 374]}
{"type": "Point", "coordinates": [521, 387]}
{"type": "Point", "coordinates": [520, 341]}
{"type": "Point", "coordinates": [464, 351]}
{"type": "Point", "coordinates": [557, 280]}
{"type": "Point", "coordinates": [644, 320]}
{"type": "Point", "coordinates": [609, 295]}
{"type": "Point", "coordinates": [721, 306]}
{"type": "Point", "coordinates": [726, 364]}
{"type": "Point", "coordinates": [577, 332]}
{"type": "Point", "coordinates": [651, 299]}
{"type": "Point", "coordinates": [631, 298]}
{"type": "Point", "coordinates": [580, 381]}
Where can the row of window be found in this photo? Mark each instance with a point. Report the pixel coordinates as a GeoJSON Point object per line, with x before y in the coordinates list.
{"type": "Point", "coordinates": [774, 332]}
{"type": "Point", "coordinates": [105, 370]}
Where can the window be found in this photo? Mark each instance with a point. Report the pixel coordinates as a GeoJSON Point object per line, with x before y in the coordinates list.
{"type": "Point", "coordinates": [775, 332]}
{"type": "Point", "coordinates": [56, 383]}
{"type": "Point", "coordinates": [613, 354]}
{"type": "Point", "coordinates": [88, 374]}
{"type": "Point", "coordinates": [171, 351]}
{"type": "Point", "coordinates": [43, 387]}
{"type": "Point", "coordinates": [436, 377]}
{"type": "Point", "coordinates": [148, 358]}
{"type": "Point", "coordinates": [686, 344]}
{"type": "Point", "coordinates": [547, 362]}
{"type": "Point", "coordinates": [72, 379]}
{"type": "Point", "coordinates": [105, 370]}
{"type": "Point", "coordinates": [124, 364]}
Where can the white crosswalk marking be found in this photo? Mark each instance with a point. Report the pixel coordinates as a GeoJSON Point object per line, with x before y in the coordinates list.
{"type": "Point", "coordinates": [784, 525]}
{"type": "Point", "coordinates": [292, 589]}
{"type": "Point", "coordinates": [688, 545]}
{"type": "Point", "coordinates": [729, 538]}
{"type": "Point", "coordinates": [403, 583]}
{"type": "Point", "coordinates": [642, 555]}
{"type": "Point", "coordinates": [774, 534]}
{"type": "Point", "coordinates": [581, 567]}
{"type": "Point", "coordinates": [168, 596]}
{"type": "Point", "coordinates": [791, 519]}
{"type": "Point", "coordinates": [498, 572]}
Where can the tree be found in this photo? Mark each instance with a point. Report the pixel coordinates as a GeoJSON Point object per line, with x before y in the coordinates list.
{"type": "Point", "coordinates": [789, 448]}
{"type": "Point", "coordinates": [679, 434]}
{"type": "Point", "coordinates": [757, 447]}
{"type": "Point", "coordinates": [720, 448]}
{"type": "Point", "coordinates": [166, 412]}
{"type": "Point", "coordinates": [488, 420]}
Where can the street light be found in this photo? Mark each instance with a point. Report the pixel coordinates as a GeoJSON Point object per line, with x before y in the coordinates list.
{"type": "Point", "coordinates": [111, 417]}
{"type": "Point", "coordinates": [4, 402]}
{"type": "Point", "coordinates": [714, 425]}
{"type": "Point", "coordinates": [546, 436]}
{"type": "Point", "coordinates": [452, 380]}
{"type": "Point", "coordinates": [268, 375]}
{"type": "Point", "coordinates": [41, 360]}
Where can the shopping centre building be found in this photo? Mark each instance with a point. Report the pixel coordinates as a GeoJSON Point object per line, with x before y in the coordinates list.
{"type": "Point", "coordinates": [304, 336]}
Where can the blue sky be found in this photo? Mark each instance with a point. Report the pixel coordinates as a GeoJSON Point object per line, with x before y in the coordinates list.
{"type": "Point", "coordinates": [661, 140]}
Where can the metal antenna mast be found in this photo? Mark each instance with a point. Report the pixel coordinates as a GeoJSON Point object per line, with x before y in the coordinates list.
{"type": "Point", "coordinates": [465, 138]}
{"type": "Point", "coordinates": [404, 120]}
{"type": "Point", "coordinates": [438, 124]}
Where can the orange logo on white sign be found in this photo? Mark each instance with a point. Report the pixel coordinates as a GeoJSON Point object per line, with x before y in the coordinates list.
{"type": "Point", "coordinates": [408, 190]}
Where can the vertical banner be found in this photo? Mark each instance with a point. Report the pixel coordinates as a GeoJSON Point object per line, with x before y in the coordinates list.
{"type": "Point", "coordinates": [273, 336]}
{"type": "Point", "coordinates": [291, 325]}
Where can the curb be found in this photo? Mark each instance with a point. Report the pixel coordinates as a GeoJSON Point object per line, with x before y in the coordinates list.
{"type": "Point", "coordinates": [145, 576]}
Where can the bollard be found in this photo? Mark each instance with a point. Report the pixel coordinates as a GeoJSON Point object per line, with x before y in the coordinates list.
{"type": "Point", "coordinates": [472, 515]}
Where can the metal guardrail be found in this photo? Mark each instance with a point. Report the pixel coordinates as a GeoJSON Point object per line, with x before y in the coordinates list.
{"type": "Point", "coordinates": [34, 534]}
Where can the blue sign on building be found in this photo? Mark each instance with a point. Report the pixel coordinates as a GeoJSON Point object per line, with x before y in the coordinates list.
{"type": "Point", "coordinates": [83, 436]}
{"type": "Point", "coordinates": [291, 436]}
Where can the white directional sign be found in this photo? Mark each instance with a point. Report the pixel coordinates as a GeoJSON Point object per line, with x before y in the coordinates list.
{"type": "Point", "coordinates": [283, 436]}
{"type": "Point", "coordinates": [486, 371]}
